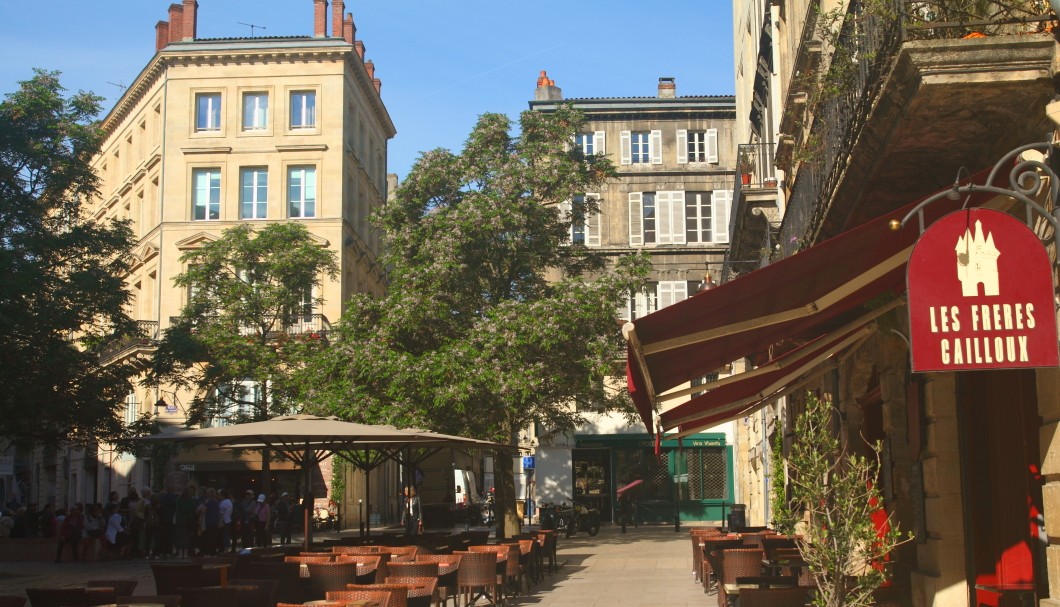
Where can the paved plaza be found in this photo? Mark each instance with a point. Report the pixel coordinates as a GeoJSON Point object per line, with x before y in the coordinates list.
{"type": "Point", "coordinates": [645, 566]}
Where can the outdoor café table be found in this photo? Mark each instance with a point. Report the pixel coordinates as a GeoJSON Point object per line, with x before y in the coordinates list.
{"type": "Point", "coordinates": [346, 603]}
{"type": "Point", "coordinates": [777, 566]}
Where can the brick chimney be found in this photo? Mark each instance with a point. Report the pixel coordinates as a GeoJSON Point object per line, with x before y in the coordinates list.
{"type": "Point", "coordinates": [349, 30]}
{"type": "Point", "coordinates": [378, 86]}
{"type": "Point", "coordinates": [161, 35]}
{"type": "Point", "coordinates": [667, 88]}
{"type": "Point", "coordinates": [337, 8]}
{"type": "Point", "coordinates": [190, 19]}
{"type": "Point", "coordinates": [176, 22]}
{"type": "Point", "coordinates": [370, 66]}
{"type": "Point", "coordinates": [547, 89]}
{"type": "Point", "coordinates": [320, 18]}
{"type": "Point", "coordinates": [359, 47]}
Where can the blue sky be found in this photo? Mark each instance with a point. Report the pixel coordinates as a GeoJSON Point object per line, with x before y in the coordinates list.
{"type": "Point", "coordinates": [442, 62]}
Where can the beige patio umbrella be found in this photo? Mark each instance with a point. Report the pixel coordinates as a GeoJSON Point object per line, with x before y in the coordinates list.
{"type": "Point", "coordinates": [307, 440]}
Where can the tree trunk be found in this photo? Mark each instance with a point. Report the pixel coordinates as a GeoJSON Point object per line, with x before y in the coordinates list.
{"type": "Point", "coordinates": [508, 521]}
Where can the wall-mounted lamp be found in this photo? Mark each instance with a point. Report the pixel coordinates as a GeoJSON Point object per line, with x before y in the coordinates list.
{"type": "Point", "coordinates": [169, 407]}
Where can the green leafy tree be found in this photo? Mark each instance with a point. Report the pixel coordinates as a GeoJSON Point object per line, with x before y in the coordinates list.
{"type": "Point", "coordinates": [834, 496]}
{"type": "Point", "coordinates": [245, 329]}
{"type": "Point", "coordinates": [489, 326]}
{"type": "Point", "coordinates": [62, 292]}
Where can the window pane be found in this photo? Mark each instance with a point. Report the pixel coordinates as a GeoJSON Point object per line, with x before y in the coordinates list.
{"type": "Point", "coordinates": [208, 111]}
{"type": "Point", "coordinates": [255, 111]}
{"type": "Point", "coordinates": [303, 109]}
{"type": "Point", "coordinates": [584, 142]}
{"type": "Point", "coordinates": [302, 191]}
{"type": "Point", "coordinates": [206, 194]}
{"type": "Point", "coordinates": [254, 194]}
{"type": "Point", "coordinates": [697, 217]}
{"type": "Point", "coordinates": [648, 207]}
{"type": "Point", "coordinates": [640, 147]}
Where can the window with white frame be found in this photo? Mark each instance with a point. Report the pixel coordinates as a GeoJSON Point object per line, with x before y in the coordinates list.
{"type": "Point", "coordinates": [206, 194]}
{"type": "Point", "coordinates": [584, 224]}
{"type": "Point", "coordinates": [303, 109]}
{"type": "Point", "coordinates": [236, 402]}
{"type": "Point", "coordinates": [590, 143]}
{"type": "Point", "coordinates": [255, 111]}
{"type": "Point", "coordinates": [208, 111]}
{"type": "Point", "coordinates": [302, 192]}
{"type": "Point", "coordinates": [640, 147]}
{"type": "Point", "coordinates": [254, 192]}
{"type": "Point", "coordinates": [677, 217]}
{"type": "Point", "coordinates": [697, 146]}
{"type": "Point", "coordinates": [654, 296]}
{"type": "Point", "coordinates": [132, 409]}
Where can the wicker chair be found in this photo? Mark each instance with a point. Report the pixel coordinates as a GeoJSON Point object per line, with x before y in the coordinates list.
{"type": "Point", "coordinates": [414, 569]}
{"type": "Point", "coordinates": [698, 534]}
{"type": "Point", "coordinates": [734, 563]}
{"type": "Point", "coordinates": [121, 587]}
{"type": "Point", "coordinates": [326, 577]}
{"type": "Point", "coordinates": [711, 554]}
{"type": "Point", "coordinates": [478, 572]}
{"type": "Point", "coordinates": [169, 578]}
{"type": "Point", "coordinates": [369, 566]}
{"type": "Point", "coordinates": [289, 586]}
{"type": "Point", "coordinates": [385, 598]}
{"type": "Point", "coordinates": [772, 543]}
{"type": "Point", "coordinates": [507, 570]}
{"type": "Point", "coordinates": [400, 592]}
{"type": "Point", "coordinates": [447, 582]}
{"type": "Point", "coordinates": [775, 597]}
{"type": "Point", "coordinates": [168, 600]}
{"type": "Point", "coordinates": [303, 560]}
{"type": "Point", "coordinates": [266, 589]}
{"type": "Point", "coordinates": [423, 591]}
{"type": "Point", "coordinates": [548, 539]}
{"type": "Point", "coordinates": [57, 597]}
{"type": "Point", "coordinates": [208, 597]}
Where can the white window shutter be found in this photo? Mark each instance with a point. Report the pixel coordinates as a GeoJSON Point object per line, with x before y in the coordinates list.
{"type": "Point", "coordinates": [656, 147]}
{"type": "Point", "coordinates": [712, 146]}
{"type": "Point", "coordinates": [626, 144]}
{"type": "Point", "coordinates": [720, 203]}
{"type": "Point", "coordinates": [636, 219]}
{"type": "Point", "coordinates": [680, 290]}
{"type": "Point", "coordinates": [665, 290]}
{"type": "Point", "coordinates": [598, 143]}
{"type": "Point", "coordinates": [677, 214]}
{"type": "Point", "coordinates": [663, 218]}
{"type": "Point", "coordinates": [682, 146]}
{"type": "Point", "coordinates": [641, 300]}
{"type": "Point", "coordinates": [624, 313]}
{"type": "Point", "coordinates": [563, 209]}
{"type": "Point", "coordinates": [592, 230]}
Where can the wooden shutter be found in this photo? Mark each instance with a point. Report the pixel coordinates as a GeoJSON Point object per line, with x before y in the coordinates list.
{"type": "Point", "coordinates": [682, 146]}
{"type": "Point", "coordinates": [656, 147]}
{"type": "Point", "coordinates": [625, 143]}
{"type": "Point", "coordinates": [712, 146]}
{"type": "Point", "coordinates": [636, 219]}
{"type": "Point", "coordinates": [720, 203]}
{"type": "Point", "coordinates": [598, 143]}
{"type": "Point", "coordinates": [663, 218]}
{"type": "Point", "coordinates": [671, 292]}
{"type": "Point", "coordinates": [563, 209]}
{"type": "Point", "coordinates": [677, 216]}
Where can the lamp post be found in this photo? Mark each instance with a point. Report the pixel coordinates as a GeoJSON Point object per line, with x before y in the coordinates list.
{"type": "Point", "coordinates": [360, 514]}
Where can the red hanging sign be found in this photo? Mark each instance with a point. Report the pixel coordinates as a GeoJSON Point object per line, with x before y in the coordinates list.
{"type": "Point", "coordinates": [980, 288]}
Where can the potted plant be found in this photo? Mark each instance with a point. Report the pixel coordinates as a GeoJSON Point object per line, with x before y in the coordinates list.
{"type": "Point", "coordinates": [745, 165]}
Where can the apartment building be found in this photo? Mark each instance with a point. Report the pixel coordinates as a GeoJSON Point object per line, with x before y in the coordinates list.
{"type": "Point", "coordinates": [671, 199]}
{"type": "Point", "coordinates": [865, 109]}
{"type": "Point", "coordinates": [215, 133]}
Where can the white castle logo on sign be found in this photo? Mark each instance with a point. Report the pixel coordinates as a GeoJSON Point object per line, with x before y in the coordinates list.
{"type": "Point", "coordinates": [977, 262]}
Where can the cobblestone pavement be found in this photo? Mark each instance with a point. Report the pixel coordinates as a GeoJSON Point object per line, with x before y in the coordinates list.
{"type": "Point", "coordinates": [645, 566]}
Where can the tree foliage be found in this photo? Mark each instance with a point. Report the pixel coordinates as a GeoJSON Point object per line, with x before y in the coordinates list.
{"type": "Point", "coordinates": [63, 290]}
{"type": "Point", "coordinates": [247, 324]}
{"type": "Point", "coordinates": [834, 494]}
{"type": "Point", "coordinates": [489, 325]}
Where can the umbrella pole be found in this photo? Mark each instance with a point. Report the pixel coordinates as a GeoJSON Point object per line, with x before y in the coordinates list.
{"type": "Point", "coordinates": [367, 502]}
{"type": "Point", "coordinates": [308, 509]}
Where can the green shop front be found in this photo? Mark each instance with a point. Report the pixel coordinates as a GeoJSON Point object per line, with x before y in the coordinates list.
{"type": "Point", "coordinates": [692, 478]}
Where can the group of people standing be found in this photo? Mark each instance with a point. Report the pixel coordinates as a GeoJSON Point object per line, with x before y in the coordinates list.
{"type": "Point", "coordinates": [196, 522]}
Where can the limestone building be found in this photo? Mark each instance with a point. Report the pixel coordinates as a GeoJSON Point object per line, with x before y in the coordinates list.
{"type": "Point", "coordinates": [211, 134]}
{"type": "Point", "coordinates": [675, 157]}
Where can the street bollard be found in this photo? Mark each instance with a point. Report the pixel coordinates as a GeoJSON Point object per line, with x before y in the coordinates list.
{"type": "Point", "coordinates": [677, 523]}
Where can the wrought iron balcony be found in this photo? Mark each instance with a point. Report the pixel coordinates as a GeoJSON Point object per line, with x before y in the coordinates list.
{"type": "Point", "coordinates": [145, 338]}
{"type": "Point", "coordinates": [304, 326]}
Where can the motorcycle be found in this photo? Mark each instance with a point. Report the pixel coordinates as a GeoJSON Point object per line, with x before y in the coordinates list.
{"type": "Point", "coordinates": [570, 518]}
{"type": "Point", "coordinates": [486, 511]}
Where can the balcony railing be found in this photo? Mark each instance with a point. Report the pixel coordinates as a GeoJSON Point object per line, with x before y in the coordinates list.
{"type": "Point", "coordinates": [866, 45]}
{"type": "Point", "coordinates": [146, 336]}
{"type": "Point", "coordinates": [755, 166]}
{"type": "Point", "coordinates": [309, 326]}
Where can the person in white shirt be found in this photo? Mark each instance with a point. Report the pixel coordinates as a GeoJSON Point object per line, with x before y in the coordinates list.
{"type": "Point", "coordinates": [225, 508]}
{"type": "Point", "coordinates": [117, 534]}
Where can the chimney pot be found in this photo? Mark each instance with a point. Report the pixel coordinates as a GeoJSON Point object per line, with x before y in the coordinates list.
{"type": "Point", "coordinates": [337, 8]}
{"type": "Point", "coordinates": [547, 89]}
{"type": "Point", "coordinates": [190, 19]}
{"type": "Point", "coordinates": [161, 35]}
{"type": "Point", "coordinates": [349, 30]}
{"type": "Point", "coordinates": [320, 18]}
{"type": "Point", "coordinates": [176, 22]}
{"type": "Point", "coordinates": [667, 88]}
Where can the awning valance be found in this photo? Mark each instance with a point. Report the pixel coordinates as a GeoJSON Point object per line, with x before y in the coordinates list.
{"type": "Point", "coordinates": [796, 298]}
